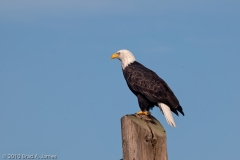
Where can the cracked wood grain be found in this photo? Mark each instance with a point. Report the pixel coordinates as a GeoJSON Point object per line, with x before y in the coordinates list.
{"type": "Point", "coordinates": [143, 138]}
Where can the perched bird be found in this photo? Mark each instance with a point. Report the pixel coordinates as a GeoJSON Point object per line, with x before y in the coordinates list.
{"type": "Point", "coordinates": [149, 88]}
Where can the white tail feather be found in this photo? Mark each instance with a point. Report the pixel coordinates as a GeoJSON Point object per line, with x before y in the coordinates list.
{"type": "Point", "coordinates": [167, 113]}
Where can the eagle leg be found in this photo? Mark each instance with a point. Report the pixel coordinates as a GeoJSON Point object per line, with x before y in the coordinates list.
{"type": "Point", "coordinates": [143, 113]}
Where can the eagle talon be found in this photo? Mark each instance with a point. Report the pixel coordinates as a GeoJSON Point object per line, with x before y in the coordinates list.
{"type": "Point", "coordinates": [143, 113]}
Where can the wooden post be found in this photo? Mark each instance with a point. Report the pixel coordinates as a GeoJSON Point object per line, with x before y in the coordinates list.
{"type": "Point", "coordinates": [143, 138]}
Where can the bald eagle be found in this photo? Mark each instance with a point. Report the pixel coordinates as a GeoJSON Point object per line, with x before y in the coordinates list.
{"type": "Point", "coordinates": [149, 88]}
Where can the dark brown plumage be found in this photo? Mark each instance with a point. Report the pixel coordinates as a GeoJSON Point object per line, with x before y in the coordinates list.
{"type": "Point", "coordinates": [149, 88]}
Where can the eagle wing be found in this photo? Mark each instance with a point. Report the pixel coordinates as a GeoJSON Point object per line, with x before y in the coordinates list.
{"type": "Point", "coordinates": [142, 80]}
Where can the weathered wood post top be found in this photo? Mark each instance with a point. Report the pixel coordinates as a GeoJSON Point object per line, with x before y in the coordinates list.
{"type": "Point", "coordinates": [143, 138]}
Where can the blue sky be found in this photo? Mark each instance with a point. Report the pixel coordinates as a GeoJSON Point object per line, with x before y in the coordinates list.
{"type": "Point", "coordinates": [61, 94]}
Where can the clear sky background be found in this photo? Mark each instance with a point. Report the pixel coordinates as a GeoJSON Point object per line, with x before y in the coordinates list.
{"type": "Point", "coordinates": [60, 94]}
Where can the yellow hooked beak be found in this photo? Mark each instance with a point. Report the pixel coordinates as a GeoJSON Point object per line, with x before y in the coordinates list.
{"type": "Point", "coordinates": [114, 55]}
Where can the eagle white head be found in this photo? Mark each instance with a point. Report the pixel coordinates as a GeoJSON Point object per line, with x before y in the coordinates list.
{"type": "Point", "coordinates": [125, 56]}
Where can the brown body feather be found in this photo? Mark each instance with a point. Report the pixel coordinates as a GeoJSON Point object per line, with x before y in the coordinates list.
{"type": "Point", "coordinates": [149, 88]}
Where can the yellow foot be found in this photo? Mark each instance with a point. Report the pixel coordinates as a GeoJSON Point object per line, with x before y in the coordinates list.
{"type": "Point", "coordinates": [143, 113]}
